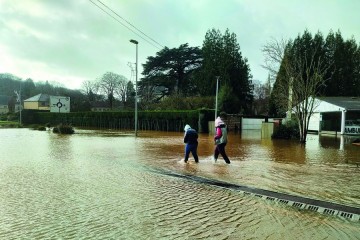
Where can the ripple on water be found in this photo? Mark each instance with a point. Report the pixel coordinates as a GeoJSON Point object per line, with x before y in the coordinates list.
{"type": "Point", "coordinates": [104, 189]}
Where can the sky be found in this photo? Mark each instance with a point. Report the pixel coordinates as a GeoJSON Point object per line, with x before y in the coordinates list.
{"type": "Point", "coordinates": [68, 42]}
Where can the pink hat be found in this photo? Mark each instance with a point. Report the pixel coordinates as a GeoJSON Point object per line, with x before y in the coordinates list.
{"type": "Point", "coordinates": [218, 122]}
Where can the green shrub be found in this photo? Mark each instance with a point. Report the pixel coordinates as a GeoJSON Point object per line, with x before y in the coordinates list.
{"type": "Point", "coordinates": [162, 120]}
{"type": "Point", "coordinates": [289, 130]}
{"type": "Point", "coordinates": [9, 124]}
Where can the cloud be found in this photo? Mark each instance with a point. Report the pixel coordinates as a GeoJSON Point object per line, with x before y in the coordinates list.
{"type": "Point", "coordinates": [71, 41]}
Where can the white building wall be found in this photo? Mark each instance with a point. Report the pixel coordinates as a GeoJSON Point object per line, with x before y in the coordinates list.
{"type": "Point", "coordinates": [314, 122]}
{"type": "Point", "coordinates": [253, 123]}
{"type": "Point", "coordinates": [322, 106]}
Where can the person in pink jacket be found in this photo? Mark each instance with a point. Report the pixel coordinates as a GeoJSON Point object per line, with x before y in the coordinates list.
{"type": "Point", "coordinates": [220, 140]}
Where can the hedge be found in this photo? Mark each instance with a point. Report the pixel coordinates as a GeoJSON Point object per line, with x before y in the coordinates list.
{"type": "Point", "coordinates": [124, 120]}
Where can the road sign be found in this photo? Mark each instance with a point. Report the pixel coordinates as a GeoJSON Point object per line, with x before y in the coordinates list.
{"type": "Point", "coordinates": [59, 104]}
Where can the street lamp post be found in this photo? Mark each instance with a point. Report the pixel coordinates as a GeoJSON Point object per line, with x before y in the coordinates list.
{"type": "Point", "coordinates": [18, 99]}
{"type": "Point", "coordinates": [216, 99]}
{"type": "Point", "coordinates": [136, 74]}
{"type": "Point", "coordinates": [20, 105]}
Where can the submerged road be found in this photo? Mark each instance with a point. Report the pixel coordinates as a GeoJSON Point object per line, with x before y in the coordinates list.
{"type": "Point", "coordinates": [314, 205]}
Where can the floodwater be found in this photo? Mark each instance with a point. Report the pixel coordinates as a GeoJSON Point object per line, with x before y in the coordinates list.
{"type": "Point", "coordinates": [110, 185]}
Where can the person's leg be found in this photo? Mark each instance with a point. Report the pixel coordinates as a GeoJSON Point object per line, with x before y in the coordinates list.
{"type": "Point", "coordinates": [216, 153]}
{"type": "Point", "coordinates": [194, 152]}
{"type": "Point", "coordinates": [187, 152]}
{"type": "Point", "coordinates": [221, 148]}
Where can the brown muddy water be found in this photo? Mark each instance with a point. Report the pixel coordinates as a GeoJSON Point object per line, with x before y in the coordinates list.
{"type": "Point", "coordinates": [111, 185]}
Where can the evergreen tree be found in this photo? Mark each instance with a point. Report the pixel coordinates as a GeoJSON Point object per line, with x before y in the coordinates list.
{"type": "Point", "coordinates": [171, 68]}
{"type": "Point", "coordinates": [228, 101]}
{"type": "Point", "coordinates": [212, 56]}
{"type": "Point", "coordinates": [130, 95]}
{"type": "Point", "coordinates": [222, 57]}
{"type": "Point", "coordinates": [303, 70]}
{"type": "Point", "coordinates": [344, 73]}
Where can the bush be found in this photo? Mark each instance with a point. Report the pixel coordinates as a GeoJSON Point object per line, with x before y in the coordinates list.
{"type": "Point", "coordinates": [289, 130]}
{"type": "Point", "coordinates": [9, 124]}
{"type": "Point", "coordinates": [64, 129]}
{"type": "Point", "coordinates": [42, 128]}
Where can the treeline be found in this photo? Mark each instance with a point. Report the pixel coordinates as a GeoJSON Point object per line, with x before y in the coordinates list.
{"type": "Point", "coordinates": [182, 78]}
{"type": "Point", "coordinates": [186, 77]}
{"type": "Point", "coordinates": [333, 60]}
{"type": "Point", "coordinates": [9, 84]}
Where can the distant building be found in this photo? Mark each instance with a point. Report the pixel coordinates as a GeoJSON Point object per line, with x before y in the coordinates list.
{"type": "Point", "coordinates": [100, 107]}
{"type": "Point", "coordinates": [9, 104]}
{"type": "Point", "coordinates": [38, 102]}
{"type": "Point", "coordinates": [336, 115]}
{"type": "Point", "coordinates": [4, 104]}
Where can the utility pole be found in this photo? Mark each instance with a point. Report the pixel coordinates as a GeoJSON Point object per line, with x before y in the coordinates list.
{"type": "Point", "coordinates": [216, 99]}
{"type": "Point", "coordinates": [136, 96]}
{"type": "Point", "coordinates": [18, 99]}
{"type": "Point", "coordinates": [288, 114]}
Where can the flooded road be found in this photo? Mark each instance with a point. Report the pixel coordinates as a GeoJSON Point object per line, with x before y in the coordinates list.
{"type": "Point", "coordinates": [111, 185]}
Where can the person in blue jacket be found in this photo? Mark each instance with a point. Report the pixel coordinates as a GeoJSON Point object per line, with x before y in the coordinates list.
{"type": "Point", "coordinates": [190, 139]}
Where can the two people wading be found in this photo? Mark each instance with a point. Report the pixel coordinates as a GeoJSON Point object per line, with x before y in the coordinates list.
{"type": "Point", "coordinates": [191, 141]}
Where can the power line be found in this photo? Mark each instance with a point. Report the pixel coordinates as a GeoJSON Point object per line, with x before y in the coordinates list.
{"type": "Point", "coordinates": [151, 43]}
{"type": "Point", "coordinates": [131, 24]}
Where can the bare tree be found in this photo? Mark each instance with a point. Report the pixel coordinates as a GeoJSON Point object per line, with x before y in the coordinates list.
{"type": "Point", "coordinates": [121, 89]}
{"type": "Point", "coordinates": [274, 52]}
{"type": "Point", "coordinates": [108, 84]}
{"type": "Point", "coordinates": [302, 75]}
{"type": "Point", "coordinates": [90, 89]}
{"type": "Point", "coordinates": [261, 98]}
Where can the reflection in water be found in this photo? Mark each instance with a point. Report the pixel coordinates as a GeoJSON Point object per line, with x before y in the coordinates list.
{"type": "Point", "coordinates": [106, 185]}
{"type": "Point", "coordinates": [60, 146]}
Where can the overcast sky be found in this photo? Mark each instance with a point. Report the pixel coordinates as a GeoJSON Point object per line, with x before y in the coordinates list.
{"type": "Point", "coordinates": [69, 41]}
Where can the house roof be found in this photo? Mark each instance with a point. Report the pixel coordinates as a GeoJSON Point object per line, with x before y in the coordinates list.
{"type": "Point", "coordinates": [4, 100]}
{"type": "Point", "coordinates": [348, 103]}
{"type": "Point", "coordinates": [39, 98]}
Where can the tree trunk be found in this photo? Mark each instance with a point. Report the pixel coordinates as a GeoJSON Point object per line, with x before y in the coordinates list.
{"type": "Point", "coordinates": [303, 130]}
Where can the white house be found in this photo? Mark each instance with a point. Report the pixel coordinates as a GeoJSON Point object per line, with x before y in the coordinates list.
{"type": "Point", "coordinates": [337, 115]}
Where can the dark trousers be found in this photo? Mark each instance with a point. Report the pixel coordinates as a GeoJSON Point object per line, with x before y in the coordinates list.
{"type": "Point", "coordinates": [191, 147]}
{"type": "Point", "coordinates": [220, 149]}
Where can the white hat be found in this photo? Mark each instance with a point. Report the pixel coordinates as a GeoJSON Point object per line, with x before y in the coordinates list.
{"type": "Point", "coordinates": [187, 127]}
{"type": "Point", "coordinates": [218, 122]}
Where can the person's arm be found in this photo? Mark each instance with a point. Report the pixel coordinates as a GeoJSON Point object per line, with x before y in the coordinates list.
{"type": "Point", "coordinates": [186, 138]}
{"type": "Point", "coordinates": [218, 133]}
